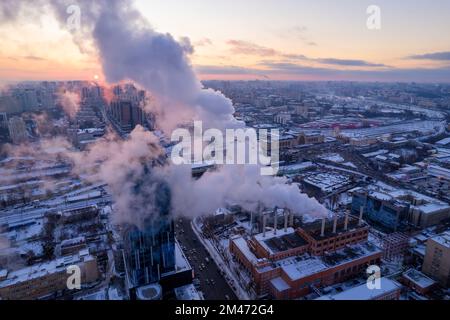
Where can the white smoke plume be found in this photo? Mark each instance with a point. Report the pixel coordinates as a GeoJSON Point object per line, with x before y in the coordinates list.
{"type": "Point", "coordinates": [235, 184]}
{"type": "Point", "coordinates": [70, 102]}
{"type": "Point", "coordinates": [125, 166]}
{"type": "Point", "coordinates": [129, 49]}
{"type": "Point", "coordinates": [53, 148]}
{"type": "Point", "coordinates": [46, 150]}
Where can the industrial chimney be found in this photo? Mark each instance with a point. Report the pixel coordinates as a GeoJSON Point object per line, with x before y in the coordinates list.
{"type": "Point", "coordinates": [264, 217]}
{"type": "Point", "coordinates": [286, 216]}
{"type": "Point", "coordinates": [335, 222]}
{"type": "Point", "coordinates": [275, 221]}
{"type": "Point", "coordinates": [322, 233]}
{"type": "Point", "coordinates": [361, 212]}
{"type": "Point", "coordinates": [251, 219]}
{"type": "Point", "coordinates": [346, 221]}
{"type": "Point", "coordinates": [291, 219]}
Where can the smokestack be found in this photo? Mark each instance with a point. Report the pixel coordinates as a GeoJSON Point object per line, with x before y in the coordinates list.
{"type": "Point", "coordinates": [335, 222]}
{"type": "Point", "coordinates": [275, 221]}
{"type": "Point", "coordinates": [291, 219]}
{"type": "Point", "coordinates": [346, 221]}
{"type": "Point", "coordinates": [264, 225]}
{"type": "Point", "coordinates": [322, 233]}
{"type": "Point", "coordinates": [286, 214]}
{"type": "Point", "coordinates": [251, 223]}
{"type": "Point", "coordinates": [361, 212]}
{"type": "Point", "coordinates": [151, 255]}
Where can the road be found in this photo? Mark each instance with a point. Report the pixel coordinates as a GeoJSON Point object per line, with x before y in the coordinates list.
{"type": "Point", "coordinates": [188, 240]}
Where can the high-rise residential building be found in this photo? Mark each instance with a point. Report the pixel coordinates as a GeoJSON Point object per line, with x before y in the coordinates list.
{"type": "Point", "coordinates": [30, 100]}
{"type": "Point", "coordinates": [126, 114]}
{"type": "Point", "coordinates": [150, 250]}
{"type": "Point", "coordinates": [3, 120]}
{"type": "Point", "coordinates": [17, 130]}
{"type": "Point", "coordinates": [437, 258]}
{"type": "Point", "coordinates": [125, 111]}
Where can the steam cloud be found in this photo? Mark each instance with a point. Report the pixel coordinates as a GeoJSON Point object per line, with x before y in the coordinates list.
{"type": "Point", "coordinates": [242, 185]}
{"type": "Point", "coordinates": [125, 166]}
{"type": "Point", "coordinates": [129, 49]}
{"type": "Point", "coordinates": [70, 102]}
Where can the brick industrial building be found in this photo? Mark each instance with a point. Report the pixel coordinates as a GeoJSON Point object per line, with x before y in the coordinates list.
{"type": "Point", "coordinates": [290, 263]}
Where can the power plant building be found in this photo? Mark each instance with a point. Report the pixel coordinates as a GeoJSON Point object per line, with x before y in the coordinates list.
{"type": "Point", "coordinates": [291, 263]}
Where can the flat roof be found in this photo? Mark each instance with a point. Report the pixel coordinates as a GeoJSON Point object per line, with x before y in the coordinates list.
{"type": "Point", "coordinates": [181, 262]}
{"type": "Point", "coordinates": [280, 284]}
{"type": "Point", "coordinates": [282, 241]}
{"type": "Point", "coordinates": [362, 292]}
{"type": "Point", "coordinates": [42, 269]}
{"type": "Point", "coordinates": [418, 278]}
{"type": "Point", "coordinates": [301, 267]}
{"type": "Point", "coordinates": [403, 197]}
{"type": "Point", "coordinates": [443, 239]}
{"type": "Point", "coordinates": [242, 245]}
{"type": "Point", "coordinates": [327, 181]}
{"type": "Point", "coordinates": [349, 253]}
{"type": "Point", "coordinates": [187, 292]}
{"type": "Point", "coordinates": [285, 242]}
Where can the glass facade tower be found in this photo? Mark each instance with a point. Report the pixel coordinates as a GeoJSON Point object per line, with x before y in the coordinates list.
{"type": "Point", "coordinates": [150, 250]}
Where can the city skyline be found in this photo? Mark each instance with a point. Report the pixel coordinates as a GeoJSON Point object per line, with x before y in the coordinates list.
{"type": "Point", "coordinates": [133, 167]}
{"type": "Point", "coordinates": [291, 40]}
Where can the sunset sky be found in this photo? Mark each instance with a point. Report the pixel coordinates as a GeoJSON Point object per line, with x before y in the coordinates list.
{"type": "Point", "coordinates": [265, 39]}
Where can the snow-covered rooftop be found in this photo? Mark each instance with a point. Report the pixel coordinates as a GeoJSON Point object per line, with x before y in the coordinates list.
{"type": "Point", "coordinates": [298, 268]}
{"type": "Point", "coordinates": [443, 239]}
{"type": "Point", "coordinates": [241, 243]}
{"type": "Point", "coordinates": [416, 200]}
{"type": "Point", "coordinates": [280, 284]}
{"type": "Point", "coordinates": [419, 278]}
{"type": "Point", "coordinates": [362, 292]}
{"type": "Point", "coordinates": [42, 269]}
{"type": "Point", "coordinates": [187, 292]}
